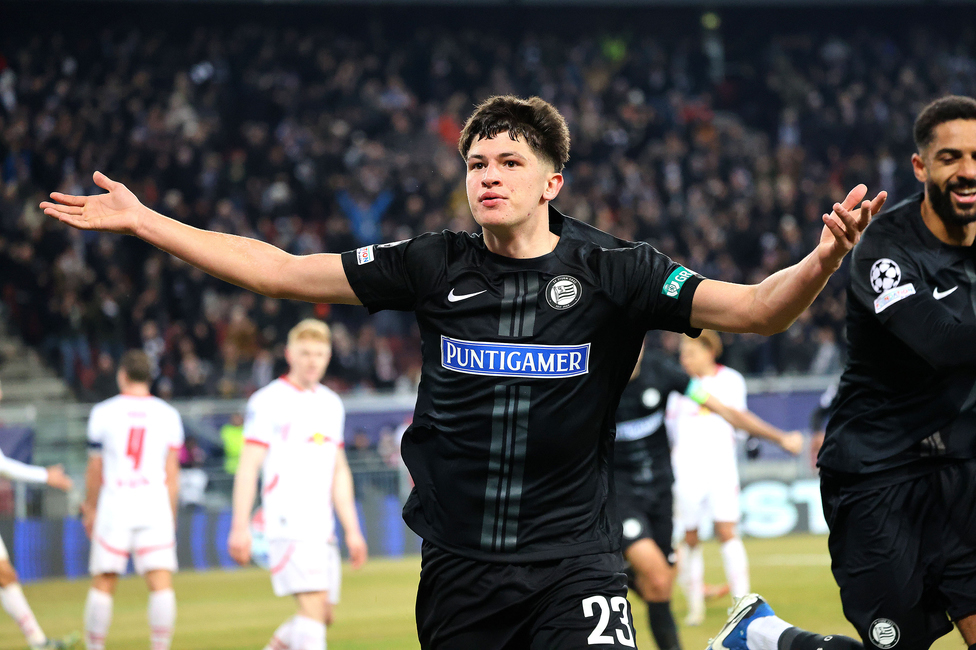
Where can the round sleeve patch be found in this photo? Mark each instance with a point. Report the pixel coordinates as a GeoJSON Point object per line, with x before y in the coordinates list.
{"type": "Point", "coordinates": [885, 274]}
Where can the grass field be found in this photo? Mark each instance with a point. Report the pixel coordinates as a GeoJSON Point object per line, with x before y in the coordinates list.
{"type": "Point", "coordinates": [236, 609]}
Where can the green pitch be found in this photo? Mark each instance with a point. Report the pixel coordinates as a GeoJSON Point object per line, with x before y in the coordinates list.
{"type": "Point", "coordinates": [236, 609]}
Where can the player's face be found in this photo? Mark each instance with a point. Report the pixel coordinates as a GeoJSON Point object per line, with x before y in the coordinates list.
{"type": "Point", "coordinates": [307, 361]}
{"type": "Point", "coordinates": [948, 169]}
{"type": "Point", "coordinates": [695, 358]}
{"type": "Point", "coordinates": [507, 183]}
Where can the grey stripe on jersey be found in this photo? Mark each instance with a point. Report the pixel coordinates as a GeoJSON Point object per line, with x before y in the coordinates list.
{"type": "Point", "coordinates": [518, 305]}
{"type": "Point", "coordinates": [506, 465]}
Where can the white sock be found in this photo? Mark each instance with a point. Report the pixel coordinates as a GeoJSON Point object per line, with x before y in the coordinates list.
{"type": "Point", "coordinates": [736, 567]}
{"type": "Point", "coordinates": [162, 616]}
{"type": "Point", "coordinates": [98, 618]}
{"type": "Point", "coordinates": [764, 633]}
{"type": "Point", "coordinates": [13, 600]}
{"type": "Point", "coordinates": [281, 637]}
{"type": "Point", "coordinates": [694, 579]}
{"type": "Point", "coordinates": [307, 634]}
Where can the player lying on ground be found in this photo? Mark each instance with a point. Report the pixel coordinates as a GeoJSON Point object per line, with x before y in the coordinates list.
{"type": "Point", "coordinates": [897, 466]}
{"type": "Point", "coordinates": [11, 595]}
{"type": "Point", "coordinates": [293, 434]}
{"type": "Point", "coordinates": [529, 333]}
{"type": "Point", "coordinates": [131, 487]}
{"type": "Point", "coordinates": [644, 476]}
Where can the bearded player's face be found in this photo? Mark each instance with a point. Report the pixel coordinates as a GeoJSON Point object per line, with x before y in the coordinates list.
{"type": "Point", "coordinates": [948, 169]}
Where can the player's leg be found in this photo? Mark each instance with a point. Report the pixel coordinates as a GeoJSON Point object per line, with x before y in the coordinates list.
{"type": "Point", "coordinates": [582, 602]}
{"type": "Point", "coordinates": [308, 625]}
{"type": "Point", "coordinates": [300, 569]}
{"type": "Point", "coordinates": [653, 580]}
{"type": "Point", "coordinates": [734, 558]}
{"type": "Point", "coordinates": [161, 610]}
{"type": "Point", "coordinates": [15, 603]}
{"type": "Point", "coordinates": [109, 559]}
{"type": "Point", "coordinates": [98, 605]}
{"type": "Point", "coordinates": [693, 577]}
{"type": "Point", "coordinates": [752, 625]}
{"type": "Point", "coordinates": [155, 559]}
{"type": "Point", "coordinates": [958, 585]}
{"type": "Point", "coordinates": [334, 561]}
{"type": "Point", "coordinates": [724, 498]}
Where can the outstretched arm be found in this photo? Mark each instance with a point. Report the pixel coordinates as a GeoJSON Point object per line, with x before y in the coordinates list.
{"type": "Point", "coordinates": [772, 305]}
{"type": "Point", "coordinates": [248, 263]}
{"type": "Point", "coordinates": [756, 426]}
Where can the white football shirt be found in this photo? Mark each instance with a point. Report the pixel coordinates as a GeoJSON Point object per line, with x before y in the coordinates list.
{"type": "Point", "coordinates": [134, 435]}
{"type": "Point", "coordinates": [303, 431]}
{"type": "Point", "coordinates": [703, 441]}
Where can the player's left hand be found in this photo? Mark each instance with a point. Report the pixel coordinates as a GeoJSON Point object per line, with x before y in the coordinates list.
{"type": "Point", "coordinates": [358, 552]}
{"type": "Point", "coordinates": [239, 545]}
{"type": "Point", "coordinates": [843, 227]}
{"type": "Point", "coordinates": [792, 442]}
{"type": "Point", "coordinates": [56, 478]}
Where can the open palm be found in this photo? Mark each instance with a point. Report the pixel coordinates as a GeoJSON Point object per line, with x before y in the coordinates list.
{"type": "Point", "coordinates": [117, 211]}
{"type": "Point", "coordinates": [843, 227]}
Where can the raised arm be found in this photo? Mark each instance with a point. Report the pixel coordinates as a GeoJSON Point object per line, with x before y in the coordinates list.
{"type": "Point", "coordinates": [248, 263]}
{"type": "Point", "coordinates": [772, 305]}
{"type": "Point", "coordinates": [756, 426]}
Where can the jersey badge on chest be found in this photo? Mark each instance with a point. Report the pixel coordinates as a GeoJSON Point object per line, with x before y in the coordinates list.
{"type": "Point", "coordinates": [317, 438]}
{"type": "Point", "coordinates": [563, 292]}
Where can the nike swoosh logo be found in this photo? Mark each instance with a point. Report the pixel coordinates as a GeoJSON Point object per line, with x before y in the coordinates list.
{"type": "Point", "coordinates": [939, 295]}
{"type": "Point", "coordinates": [453, 298]}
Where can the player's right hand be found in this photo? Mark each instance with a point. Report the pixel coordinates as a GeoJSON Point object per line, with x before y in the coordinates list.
{"type": "Point", "coordinates": [239, 545]}
{"type": "Point", "coordinates": [792, 442]}
{"type": "Point", "coordinates": [88, 519]}
{"type": "Point", "coordinates": [118, 211]}
{"type": "Point", "coordinates": [56, 478]}
{"type": "Point", "coordinates": [358, 551]}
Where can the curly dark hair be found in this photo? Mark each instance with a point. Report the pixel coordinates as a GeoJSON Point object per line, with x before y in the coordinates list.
{"type": "Point", "coordinates": [944, 109]}
{"type": "Point", "coordinates": [534, 119]}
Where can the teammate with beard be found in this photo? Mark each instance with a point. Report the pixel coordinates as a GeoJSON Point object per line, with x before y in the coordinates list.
{"type": "Point", "coordinates": [898, 463]}
{"type": "Point", "coordinates": [644, 477]}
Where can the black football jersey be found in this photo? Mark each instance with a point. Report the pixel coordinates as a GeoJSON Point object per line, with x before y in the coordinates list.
{"type": "Point", "coordinates": [642, 454]}
{"type": "Point", "coordinates": [908, 393]}
{"type": "Point", "coordinates": [524, 361]}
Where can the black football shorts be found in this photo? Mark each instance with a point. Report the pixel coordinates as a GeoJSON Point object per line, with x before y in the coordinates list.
{"type": "Point", "coordinates": [904, 554]}
{"type": "Point", "coordinates": [568, 604]}
{"type": "Point", "coordinates": [647, 516]}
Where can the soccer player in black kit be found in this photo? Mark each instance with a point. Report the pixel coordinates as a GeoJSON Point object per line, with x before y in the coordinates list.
{"type": "Point", "coordinates": [898, 462]}
{"type": "Point", "coordinates": [644, 477]}
{"type": "Point", "coordinates": [530, 330]}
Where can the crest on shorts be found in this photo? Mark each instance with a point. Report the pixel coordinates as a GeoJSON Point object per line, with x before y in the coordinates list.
{"type": "Point", "coordinates": [884, 633]}
{"type": "Point", "coordinates": [563, 292]}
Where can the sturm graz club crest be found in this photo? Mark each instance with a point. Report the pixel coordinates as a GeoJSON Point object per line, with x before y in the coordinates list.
{"type": "Point", "coordinates": [884, 633]}
{"type": "Point", "coordinates": [563, 292]}
{"type": "Point", "coordinates": [885, 274]}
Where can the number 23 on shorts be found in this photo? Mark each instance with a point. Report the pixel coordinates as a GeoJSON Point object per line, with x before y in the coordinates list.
{"type": "Point", "coordinates": [599, 635]}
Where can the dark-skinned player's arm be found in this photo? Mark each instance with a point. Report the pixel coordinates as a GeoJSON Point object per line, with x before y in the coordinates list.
{"type": "Point", "coordinates": [772, 305]}
{"type": "Point", "coordinates": [248, 263]}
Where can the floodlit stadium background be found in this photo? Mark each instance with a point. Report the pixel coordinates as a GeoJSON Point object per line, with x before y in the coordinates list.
{"type": "Point", "coordinates": [720, 135]}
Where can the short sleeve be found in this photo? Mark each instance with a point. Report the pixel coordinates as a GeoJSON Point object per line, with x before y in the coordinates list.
{"type": "Point", "coordinates": [884, 281]}
{"type": "Point", "coordinates": [178, 436]}
{"type": "Point", "coordinates": [258, 424]}
{"type": "Point", "coordinates": [394, 276]}
{"type": "Point", "coordinates": [656, 292]}
{"type": "Point", "coordinates": [96, 429]}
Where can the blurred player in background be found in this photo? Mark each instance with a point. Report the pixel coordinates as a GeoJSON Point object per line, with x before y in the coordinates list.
{"type": "Point", "coordinates": [131, 486]}
{"type": "Point", "coordinates": [293, 435]}
{"type": "Point", "coordinates": [644, 477]}
{"type": "Point", "coordinates": [530, 331]}
{"type": "Point", "coordinates": [898, 462]}
{"type": "Point", "coordinates": [706, 472]}
{"type": "Point", "coordinates": [11, 595]}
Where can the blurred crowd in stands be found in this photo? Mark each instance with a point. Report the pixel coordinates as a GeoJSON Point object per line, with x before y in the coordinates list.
{"type": "Point", "coordinates": [720, 145]}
